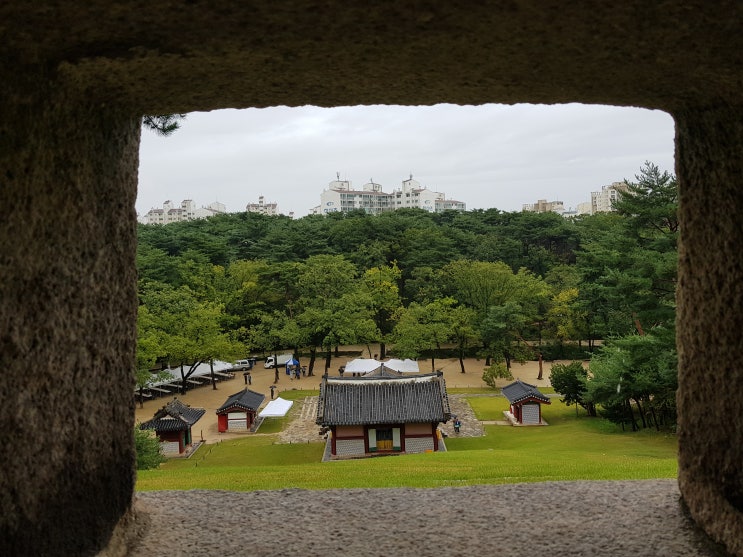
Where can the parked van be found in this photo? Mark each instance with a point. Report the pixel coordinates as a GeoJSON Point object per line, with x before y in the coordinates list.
{"type": "Point", "coordinates": [245, 364]}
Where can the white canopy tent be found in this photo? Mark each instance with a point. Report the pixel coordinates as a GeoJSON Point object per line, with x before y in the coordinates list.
{"type": "Point", "coordinates": [202, 370]}
{"type": "Point", "coordinates": [362, 365]}
{"type": "Point", "coordinates": [402, 366]}
{"type": "Point", "coordinates": [276, 408]}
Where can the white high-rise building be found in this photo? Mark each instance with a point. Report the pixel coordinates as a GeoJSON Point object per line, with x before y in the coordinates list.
{"type": "Point", "coordinates": [341, 197]}
{"type": "Point", "coordinates": [603, 201]}
{"type": "Point", "coordinates": [186, 211]}
{"type": "Point", "coordinates": [262, 207]}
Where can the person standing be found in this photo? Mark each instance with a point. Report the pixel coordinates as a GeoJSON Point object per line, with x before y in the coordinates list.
{"type": "Point", "coordinates": [273, 388]}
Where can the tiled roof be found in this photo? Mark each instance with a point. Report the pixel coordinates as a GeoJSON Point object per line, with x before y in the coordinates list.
{"type": "Point", "coordinates": [166, 424]}
{"type": "Point", "coordinates": [174, 416]}
{"type": "Point", "coordinates": [519, 391]}
{"type": "Point", "coordinates": [245, 400]}
{"type": "Point", "coordinates": [382, 400]}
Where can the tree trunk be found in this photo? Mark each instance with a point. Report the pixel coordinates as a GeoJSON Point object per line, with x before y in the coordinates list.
{"type": "Point", "coordinates": [540, 367]}
{"type": "Point", "coordinates": [461, 359]}
{"type": "Point", "coordinates": [642, 413]}
{"type": "Point", "coordinates": [214, 379]}
{"type": "Point", "coordinates": [183, 381]}
{"type": "Point", "coordinates": [311, 367]}
{"type": "Point", "coordinates": [654, 416]}
{"type": "Point", "coordinates": [631, 415]}
{"type": "Point", "coordinates": [382, 350]}
{"type": "Point", "coordinates": [328, 358]}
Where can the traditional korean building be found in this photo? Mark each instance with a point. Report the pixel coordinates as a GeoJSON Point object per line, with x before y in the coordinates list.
{"type": "Point", "coordinates": [526, 403]}
{"type": "Point", "coordinates": [239, 411]}
{"type": "Point", "coordinates": [383, 413]}
{"type": "Point", "coordinates": [172, 424]}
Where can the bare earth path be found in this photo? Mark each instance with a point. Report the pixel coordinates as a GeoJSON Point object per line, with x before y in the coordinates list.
{"type": "Point", "coordinates": [305, 429]}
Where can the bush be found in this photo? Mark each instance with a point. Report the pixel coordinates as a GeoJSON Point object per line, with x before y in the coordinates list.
{"type": "Point", "coordinates": [495, 371]}
{"type": "Point", "coordinates": [147, 446]}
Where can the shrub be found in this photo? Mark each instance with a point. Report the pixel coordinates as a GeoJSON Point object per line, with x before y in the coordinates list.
{"type": "Point", "coordinates": [148, 449]}
{"type": "Point", "coordinates": [495, 371]}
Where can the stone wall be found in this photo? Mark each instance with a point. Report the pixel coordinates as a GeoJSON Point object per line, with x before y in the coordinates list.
{"type": "Point", "coordinates": [67, 321]}
{"type": "Point", "coordinates": [76, 77]}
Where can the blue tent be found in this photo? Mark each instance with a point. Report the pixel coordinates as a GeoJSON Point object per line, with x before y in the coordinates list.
{"type": "Point", "coordinates": [290, 364]}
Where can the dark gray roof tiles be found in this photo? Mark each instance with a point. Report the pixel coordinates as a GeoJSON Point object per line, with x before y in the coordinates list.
{"type": "Point", "coordinates": [518, 391]}
{"type": "Point", "coordinates": [244, 400]}
{"type": "Point", "coordinates": [377, 400]}
{"type": "Point", "coordinates": [174, 416]}
{"type": "Point", "coordinates": [166, 424]}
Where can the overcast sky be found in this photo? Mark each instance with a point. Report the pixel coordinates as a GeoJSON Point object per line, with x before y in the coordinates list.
{"type": "Point", "coordinates": [487, 156]}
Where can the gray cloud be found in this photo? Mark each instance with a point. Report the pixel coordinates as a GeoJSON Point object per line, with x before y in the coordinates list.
{"type": "Point", "coordinates": [487, 156]}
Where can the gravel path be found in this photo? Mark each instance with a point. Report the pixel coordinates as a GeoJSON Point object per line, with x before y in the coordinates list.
{"type": "Point", "coordinates": [622, 518]}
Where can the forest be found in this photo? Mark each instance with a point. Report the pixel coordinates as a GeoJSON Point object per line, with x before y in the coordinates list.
{"type": "Point", "coordinates": [505, 286]}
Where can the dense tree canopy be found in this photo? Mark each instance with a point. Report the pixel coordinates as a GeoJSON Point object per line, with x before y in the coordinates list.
{"type": "Point", "coordinates": [500, 285]}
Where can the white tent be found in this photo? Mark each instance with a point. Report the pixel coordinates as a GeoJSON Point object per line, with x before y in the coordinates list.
{"type": "Point", "coordinates": [276, 408]}
{"type": "Point", "coordinates": [362, 365]}
{"type": "Point", "coordinates": [402, 366]}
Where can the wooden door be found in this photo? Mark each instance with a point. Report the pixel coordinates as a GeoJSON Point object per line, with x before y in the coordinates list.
{"type": "Point", "coordinates": [384, 439]}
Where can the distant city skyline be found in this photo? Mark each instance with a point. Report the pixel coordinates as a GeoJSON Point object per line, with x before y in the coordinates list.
{"type": "Point", "coordinates": [485, 156]}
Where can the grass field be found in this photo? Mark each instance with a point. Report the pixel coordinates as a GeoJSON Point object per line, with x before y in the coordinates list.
{"type": "Point", "coordinates": [569, 448]}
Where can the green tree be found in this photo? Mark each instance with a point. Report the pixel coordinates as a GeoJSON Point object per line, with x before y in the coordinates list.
{"type": "Point", "coordinates": [424, 327]}
{"type": "Point", "coordinates": [333, 308]}
{"type": "Point", "coordinates": [502, 333]}
{"type": "Point", "coordinates": [464, 331]}
{"type": "Point", "coordinates": [634, 380]}
{"type": "Point", "coordinates": [147, 448]}
{"type": "Point", "coordinates": [380, 285]}
{"type": "Point", "coordinates": [497, 370]}
{"type": "Point", "coordinates": [570, 380]}
{"type": "Point", "coordinates": [149, 350]}
{"type": "Point", "coordinates": [201, 339]}
{"type": "Point", "coordinates": [628, 259]}
{"type": "Point", "coordinates": [163, 124]}
{"type": "Point", "coordinates": [507, 305]}
{"type": "Point", "coordinates": [184, 330]}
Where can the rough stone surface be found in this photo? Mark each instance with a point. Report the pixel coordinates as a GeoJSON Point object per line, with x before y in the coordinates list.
{"type": "Point", "coordinates": [643, 518]}
{"type": "Point", "coordinates": [710, 320]}
{"type": "Point", "coordinates": [67, 323]}
{"type": "Point", "coordinates": [77, 75]}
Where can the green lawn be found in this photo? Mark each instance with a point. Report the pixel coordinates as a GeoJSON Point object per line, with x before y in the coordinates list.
{"type": "Point", "coordinates": [569, 448]}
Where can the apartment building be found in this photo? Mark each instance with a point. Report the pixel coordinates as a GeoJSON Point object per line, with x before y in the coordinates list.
{"type": "Point", "coordinates": [341, 197]}
{"type": "Point", "coordinates": [603, 201]}
{"type": "Point", "coordinates": [544, 206]}
{"type": "Point", "coordinates": [187, 210]}
{"type": "Point", "coordinates": [262, 207]}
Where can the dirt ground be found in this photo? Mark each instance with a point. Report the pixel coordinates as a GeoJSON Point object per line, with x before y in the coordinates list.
{"type": "Point", "coordinates": [209, 399]}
